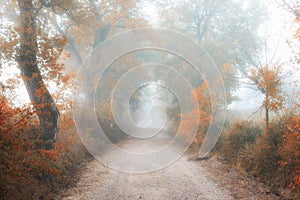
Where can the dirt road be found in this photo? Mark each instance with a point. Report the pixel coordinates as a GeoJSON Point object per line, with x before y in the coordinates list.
{"type": "Point", "coordinates": [184, 179]}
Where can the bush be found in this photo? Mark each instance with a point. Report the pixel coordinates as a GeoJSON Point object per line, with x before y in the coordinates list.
{"type": "Point", "coordinates": [26, 171]}
{"type": "Point", "coordinates": [290, 153]}
{"type": "Point", "coordinates": [262, 158]}
{"type": "Point", "coordinates": [273, 157]}
{"type": "Point", "coordinates": [236, 137]}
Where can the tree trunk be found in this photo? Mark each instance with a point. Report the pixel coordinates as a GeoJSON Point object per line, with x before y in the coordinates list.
{"type": "Point", "coordinates": [38, 93]}
{"type": "Point", "coordinates": [267, 113]}
{"type": "Point", "coordinates": [101, 34]}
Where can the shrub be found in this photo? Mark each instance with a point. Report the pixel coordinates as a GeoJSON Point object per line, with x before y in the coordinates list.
{"type": "Point", "coordinates": [290, 153]}
{"type": "Point", "coordinates": [236, 137]}
{"type": "Point", "coordinates": [274, 157]}
{"type": "Point", "coordinates": [26, 171]}
{"type": "Point", "coordinates": [261, 158]}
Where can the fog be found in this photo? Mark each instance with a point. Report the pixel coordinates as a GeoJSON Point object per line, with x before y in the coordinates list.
{"type": "Point", "coordinates": [154, 68]}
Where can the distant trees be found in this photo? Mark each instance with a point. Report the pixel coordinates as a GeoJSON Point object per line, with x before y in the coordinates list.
{"type": "Point", "coordinates": [220, 27]}
{"type": "Point", "coordinates": [223, 29]}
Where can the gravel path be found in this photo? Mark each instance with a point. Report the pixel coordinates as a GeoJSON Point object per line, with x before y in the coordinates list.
{"type": "Point", "coordinates": [183, 179]}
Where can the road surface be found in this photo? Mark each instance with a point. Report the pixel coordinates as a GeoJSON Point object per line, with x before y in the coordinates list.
{"type": "Point", "coordinates": [184, 179]}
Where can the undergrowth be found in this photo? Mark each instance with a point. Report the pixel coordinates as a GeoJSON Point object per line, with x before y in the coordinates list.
{"type": "Point", "coordinates": [28, 171]}
{"type": "Point", "coordinates": [273, 157]}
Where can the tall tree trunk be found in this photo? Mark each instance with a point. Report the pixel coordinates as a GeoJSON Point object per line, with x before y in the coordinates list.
{"type": "Point", "coordinates": [38, 93]}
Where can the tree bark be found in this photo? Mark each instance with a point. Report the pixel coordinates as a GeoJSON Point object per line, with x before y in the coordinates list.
{"type": "Point", "coordinates": [38, 93]}
{"type": "Point", "coordinates": [101, 34]}
{"type": "Point", "coordinates": [267, 112]}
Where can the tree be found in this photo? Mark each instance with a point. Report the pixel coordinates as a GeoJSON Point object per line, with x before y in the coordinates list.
{"type": "Point", "coordinates": [265, 76]}
{"type": "Point", "coordinates": [202, 96]}
{"type": "Point", "coordinates": [92, 22]}
{"type": "Point", "coordinates": [268, 80]}
{"type": "Point", "coordinates": [291, 6]}
{"type": "Point", "coordinates": [39, 50]}
{"type": "Point", "coordinates": [31, 75]}
{"type": "Point", "coordinates": [89, 25]}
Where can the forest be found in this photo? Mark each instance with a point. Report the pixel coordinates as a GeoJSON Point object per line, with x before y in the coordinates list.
{"type": "Point", "coordinates": [138, 86]}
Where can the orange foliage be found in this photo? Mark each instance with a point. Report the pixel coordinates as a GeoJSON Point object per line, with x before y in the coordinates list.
{"type": "Point", "coordinates": [268, 81]}
{"type": "Point", "coordinates": [291, 152]}
{"type": "Point", "coordinates": [189, 121]}
{"type": "Point", "coordinates": [23, 166]}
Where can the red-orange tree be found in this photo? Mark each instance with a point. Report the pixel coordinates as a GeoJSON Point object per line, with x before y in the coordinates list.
{"type": "Point", "coordinates": [202, 97]}
{"type": "Point", "coordinates": [31, 75]}
{"type": "Point", "coordinates": [268, 81]}
{"type": "Point", "coordinates": [31, 44]}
